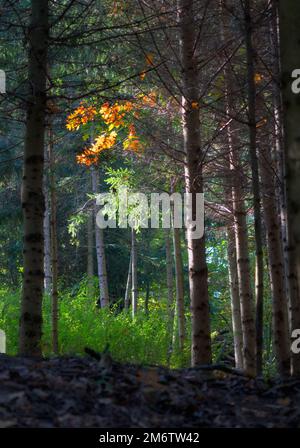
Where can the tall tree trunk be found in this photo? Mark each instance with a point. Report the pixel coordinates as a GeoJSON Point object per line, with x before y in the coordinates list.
{"type": "Point", "coordinates": [47, 232]}
{"type": "Point", "coordinates": [278, 138]}
{"type": "Point", "coordinates": [100, 248]}
{"type": "Point", "coordinates": [235, 298]}
{"type": "Point", "coordinates": [242, 247]}
{"type": "Point", "coordinates": [134, 279]}
{"type": "Point", "coordinates": [179, 287]}
{"type": "Point", "coordinates": [259, 256]}
{"type": "Point", "coordinates": [276, 264]}
{"type": "Point", "coordinates": [289, 15]}
{"type": "Point", "coordinates": [147, 296]}
{"type": "Point", "coordinates": [90, 256]}
{"type": "Point", "coordinates": [170, 288]}
{"type": "Point", "coordinates": [201, 341]}
{"type": "Point", "coordinates": [128, 284]}
{"type": "Point", "coordinates": [54, 246]}
{"type": "Point", "coordinates": [32, 184]}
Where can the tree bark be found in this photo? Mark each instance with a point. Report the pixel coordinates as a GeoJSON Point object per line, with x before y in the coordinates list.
{"type": "Point", "coordinates": [201, 340]}
{"type": "Point", "coordinates": [276, 264]}
{"type": "Point", "coordinates": [54, 245]}
{"type": "Point", "coordinates": [100, 248]}
{"type": "Point", "coordinates": [259, 256]}
{"type": "Point", "coordinates": [47, 232]}
{"type": "Point", "coordinates": [32, 184]}
{"type": "Point", "coordinates": [242, 246]}
{"type": "Point", "coordinates": [134, 279]}
{"type": "Point", "coordinates": [170, 288]}
{"type": "Point", "coordinates": [235, 298]}
{"type": "Point", "coordinates": [90, 256]}
{"type": "Point", "coordinates": [179, 287]}
{"type": "Point", "coordinates": [128, 284]}
{"type": "Point", "coordinates": [289, 17]}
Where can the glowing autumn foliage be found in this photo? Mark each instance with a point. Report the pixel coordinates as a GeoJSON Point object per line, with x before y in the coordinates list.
{"type": "Point", "coordinates": [80, 116]}
{"type": "Point", "coordinates": [132, 142]}
{"type": "Point", "coordinates": [115, 118]}
{"type": "Point", "coordinates": [114, 115]}
{"type": "Point", "coordinates": [258, 78]}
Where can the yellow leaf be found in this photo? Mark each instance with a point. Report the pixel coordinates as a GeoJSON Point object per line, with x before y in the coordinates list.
{"type": "Point", "coordinates": [258, 78]}
{"type": "Point", "coordinates": [149, 59]}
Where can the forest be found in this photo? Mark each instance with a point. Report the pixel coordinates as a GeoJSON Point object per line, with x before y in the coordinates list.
{"type": "Point", "coordinates": [149, 213]}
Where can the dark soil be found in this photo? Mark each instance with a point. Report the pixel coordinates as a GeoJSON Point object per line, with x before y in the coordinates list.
{"type": "Point", "coordinates": [80, 392]}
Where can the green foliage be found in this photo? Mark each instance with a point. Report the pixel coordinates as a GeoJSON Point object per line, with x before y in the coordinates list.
{"type": "Point", "coordinates": [144, 340]}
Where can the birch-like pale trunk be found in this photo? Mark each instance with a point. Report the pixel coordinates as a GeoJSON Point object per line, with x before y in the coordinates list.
{"type": "Point", "coordinates": [90, 256]}
{"type": "Point", "coordinates": [100, 247]}
{"type": "Point", "coordinates": [201, 340]}
{"type": "Point", "coordinates": [33, 203]}
{"type": "Point", "coordinates": [235, 298]}
{"type": "Point", "coordinates": [128, 284]}
{"type": "Point", "coordinates": [179, 287]}
{"type": "Point", "coordinates": [170, 289]}
{"type": "Point", "coordinates": [134, 278]}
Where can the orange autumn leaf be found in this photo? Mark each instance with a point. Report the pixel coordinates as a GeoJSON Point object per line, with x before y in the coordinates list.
{"type": "Point", "coordinates": [149, 59]}
{"type": "Point", "coordinates": [143, 75]}
{"type": "Point", "coordinates": [261, 123]}
{"type": "Point", "coordinates": [258, 78]}
{"type": "Point", "coordinates": [80, 116]}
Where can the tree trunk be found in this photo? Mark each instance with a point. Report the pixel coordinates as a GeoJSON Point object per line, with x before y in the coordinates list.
{"type": "Point", "coordinates": [134, 280]}
{"type": "Point", "coordinates": [289, 16]}
{"type": "Point", "coordinates": [276, 264]}
{"type": "Point", "coordinates": [170, 288]}
{"type": "Point", "coordinates": [47, 233]}
{"type": "Point", "coordinates": [100, 248]}
{"type": "Point", "coordinates": [90, 256]}
{"type": "Point", "coordinates": [242, 249]}
{"type": "Point", "coordinates": [179, 287]}
{"type": "Point", "coordinates": [201, 341]}
{"type": "Point", "coordinates": [259, 256]}
{"type": "Point", "coordinates": [32, 184]}
{"type": "Point", "coordinates": [54, 248]}
{"type": "Point", "coordinates": [128, 284]}
{"type": "Point", "coordinates": [134, 283]}
{"type": "Point", "coordinates": [235, 298]}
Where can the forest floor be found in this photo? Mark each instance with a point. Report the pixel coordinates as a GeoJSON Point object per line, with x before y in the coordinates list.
{"type": "Point", "coordinates": [80, 392]}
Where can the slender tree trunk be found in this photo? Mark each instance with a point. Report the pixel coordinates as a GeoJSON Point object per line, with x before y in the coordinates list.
{"type": "Point", "coordinates": [54, 245]}
{"type": "Point", "coordinates": [289, 16]}
{"type": "Point", "coordinates": [259, 259]}
{"type": "Point", "coordinates": [169, 271]}
{"type": "Point", "coordinates": [201, 341]}
{"type": "Point", "coordinates": [179, 287]}
{"type": "Point", "coordinates": [276, 264]}
{"type": "Point", "coordinates": [278, 138]}
{"type": "Point", "coordinates": [90, 256]}
{"type": "Point", "coordinates": [147, 296]}
{"type": "Point", "coordinates": [242, 248]}
{"type": "Point", "coordinates": [235, 298]}
{"type": "Point", "coordinates": [134, 280]}
{"type": "Point", "coordinates": [128, 284]}
{"type": "Point", "coordinates": [100, 248]}
{"type": "Point", "coordinates": [47, 231]}
{"type": "Point", "coordinates": [32, 184]}
{"type": "Point", "coordinates": [170, 288]}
